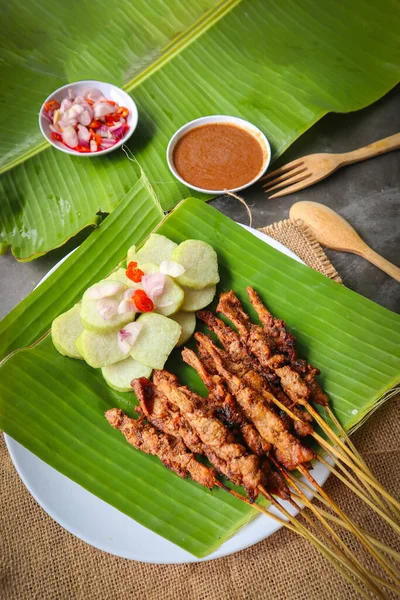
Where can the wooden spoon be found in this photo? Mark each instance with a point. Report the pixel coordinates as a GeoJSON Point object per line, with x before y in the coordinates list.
{"type": "Point", "coordinates": [332, 231]}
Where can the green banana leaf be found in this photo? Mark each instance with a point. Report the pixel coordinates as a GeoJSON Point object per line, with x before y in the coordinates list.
{"type": "Point", "coordinates": [354, 342]}
{"type": "Point", "coordinates": [280, 65]}
{"type": "Point", "coordinates": [133, 219]}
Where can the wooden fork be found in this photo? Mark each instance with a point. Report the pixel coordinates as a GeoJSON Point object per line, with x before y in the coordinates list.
{"type": "Point", "coordinates": [306, 171]}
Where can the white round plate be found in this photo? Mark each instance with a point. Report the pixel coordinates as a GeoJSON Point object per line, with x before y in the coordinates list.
{"type": "Point", "coordinates": [104, 527]}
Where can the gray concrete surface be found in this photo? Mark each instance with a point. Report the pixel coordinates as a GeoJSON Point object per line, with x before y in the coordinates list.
{"type": "Point", "coordinates": [366, 194]}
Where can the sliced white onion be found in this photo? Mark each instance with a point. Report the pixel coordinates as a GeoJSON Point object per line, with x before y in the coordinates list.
{"type": "Point", "coordinates": [93, 146]}
{"type": "Point", "coordinates": [107, 143]}
{"type": "Point", "coordinates": [92, 94]}
{"type": "Point", "coordinates": [55, 128]}
{"type": "Point", "coordinates": [117, 125]}
{"type": "Point", "coordinates": [107, 308]}
{"type": "Point", "coordinates": [104, 290]}
{"type": "Point", "coordinates": [125, 306]}
{"type": "Point", "coordinates": [65, 105]}
{"type": "Point", "coordinates": [153, 284]}
{"type": "Point", "coordinates": [128, 336]}
{"type": "Point", "coordinates": [171, 268]}
{"type": "Point", "coordinates": [101, 109]}
{"type": "Point", "coordinates": [83, 133]}
{"type": "Point", "coordinates": [129, 293]}
{"type": "Point", "coordinates": [70, 117]}
{"type": "Point", "coordinates": [69, 136]}
{"type": "Point", "coordinates": [86, 116]}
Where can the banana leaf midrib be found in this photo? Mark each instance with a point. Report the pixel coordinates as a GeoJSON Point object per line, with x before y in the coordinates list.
{"type": "Point", "coordinates": [173, 48]}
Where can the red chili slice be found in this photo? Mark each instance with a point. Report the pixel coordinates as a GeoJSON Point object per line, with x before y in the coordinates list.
{"type": "Point", "coordinates": [57, 137]}
{"type": "Point", "coordinates": [133, 273]}
{"type": "Point", "coordinates": [81, 148]}
{"type": "Point", "coordinates": [95, 124]}
{"type": "Point", "coordinates": [142, 302]}
{"type": "Point", "coordinates": [122, 111]}
{"type": "Point", "coordinates": [51, 105]}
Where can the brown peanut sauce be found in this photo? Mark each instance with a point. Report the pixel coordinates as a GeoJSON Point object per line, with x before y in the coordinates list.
{"type": "Point", "coordinates": [218, 156]}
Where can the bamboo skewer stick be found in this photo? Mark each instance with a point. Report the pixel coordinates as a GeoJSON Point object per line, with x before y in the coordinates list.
{"type": "Point", "coordinates": [344, 550]}
{"type": "Point", "coordinates": [362, 475]}
{"type": "Point", "coordinates": [257, 507]}
{"type": "Point", "coordinates": [344, 459]}
{"type": "Point", "coordinates": [338, 521]}
{"type": "Point", "coordinates": [296, 527]}
{"type": "Point", "coordinates": [362, 539]}
{"type": "Point", "coordinates": [369, 479]}
{"type": "Point", "coordinates": [383, 504]}
{"type": "Point", "coordinates": [356, 489]}
{"type": "Point", "coordinates": [331, 555]}
{"type": "Point", "coordinates": [363, 570]}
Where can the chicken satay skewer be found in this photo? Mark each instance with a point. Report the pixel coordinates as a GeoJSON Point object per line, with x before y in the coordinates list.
{"type": "Point", "coordinates": [230, 306]}
{"type": "Point", "coordinates": [170, 451]}
{"type": "Point", "coordinates": [215, 354]}
{"type": "Point", "coordinates": [285, 342]}
{"type": "Point", "coordinates": [305, 532]}
{"type": "Point", "coordinates": [230, 378]}
{"type": "Point", "coordinates": [146, 438]}
{"type": "Point", "coordinates": [193, 360]}
{"type": "Point", "coordinates": [217, 390]}
{"type": "Point", "coordinates": [191, 407]}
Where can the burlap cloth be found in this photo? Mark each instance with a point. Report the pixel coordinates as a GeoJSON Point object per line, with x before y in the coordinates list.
{"type": "Point", "coordinates": [41, 560]}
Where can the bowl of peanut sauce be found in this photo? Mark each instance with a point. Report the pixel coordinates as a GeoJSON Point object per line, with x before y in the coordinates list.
{"type": "Point", "coordinates": [218, 153]}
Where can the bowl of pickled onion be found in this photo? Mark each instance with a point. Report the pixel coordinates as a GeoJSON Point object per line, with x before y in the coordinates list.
{"type": "Point", "coordinates": [88, 118]}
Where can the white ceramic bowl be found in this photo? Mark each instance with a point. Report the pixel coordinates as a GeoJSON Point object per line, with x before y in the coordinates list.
{"type": "Point", "coordinates": [111, 92]}
{"type": "Point", "coordinates": [219, 119]}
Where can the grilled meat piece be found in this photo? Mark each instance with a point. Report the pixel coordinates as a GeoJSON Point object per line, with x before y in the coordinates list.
{"type": "Point", "coordinates": [238, 360]}
{"type": "Point", "coordinates": [226, 407]}
{"type": "Point", "coordinates": [285, 343]}
{"type": "Point", "coordinates": [289, 451]}
{"type": "Point", "coordinates": [242, 468]}
{"type": "Point", "coordinates": [164, 416]}
{"type": "Point", "coordinates": [170, 450]}
{"type": "Point", "coordinates": [282, 340]}
{"type": "Point", "coordinates": [258, 343]}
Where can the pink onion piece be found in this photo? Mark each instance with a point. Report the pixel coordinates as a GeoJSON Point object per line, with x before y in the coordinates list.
{"type": "Point", "coordinates": [107, 143]}
{"type": "Point", "coordinates": [125, 306]}
{"type": "Point", "coordinates": [55, 128]}
{"type": "Point", "coordinates": [69, 136]}
{"type": "Point", "coordinates": [92, 94]}
{"type": "Point", "coordinates": [153, 284]}
{"type": "Point", "coordinates": [87, 115]}
{"type": "Point", "coordinates": [71, 116]}
{"type": "Point", "coordinates": [93, 146]}
{"type": "Point", "coordinates": [107, 308]}
{"type": "Point", "coordinates": [129, 293]}
{"type": "Point", "coordinates": [83, 134]}
{"type": "Point", "coordinates": [46, 115]}
{"type": "Point", "coordinates": [117, 125]}
{"type": "Point", "coordinates": [71, 94]}
{"type": "Point", "coordinates": [128, 336]}
{"type": "Point", "coordinates": [172, 268]}
{"type": "Point", "coordinates": [104, 132]}
{"type": "Point", "coordinates": [65, 105]}
{"type": "Point", "coordinates": [101, 109]}
{"type": "Point", "coordinates": [119, 133]}
{"type": "Point", "coordinates": [104, 290]}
